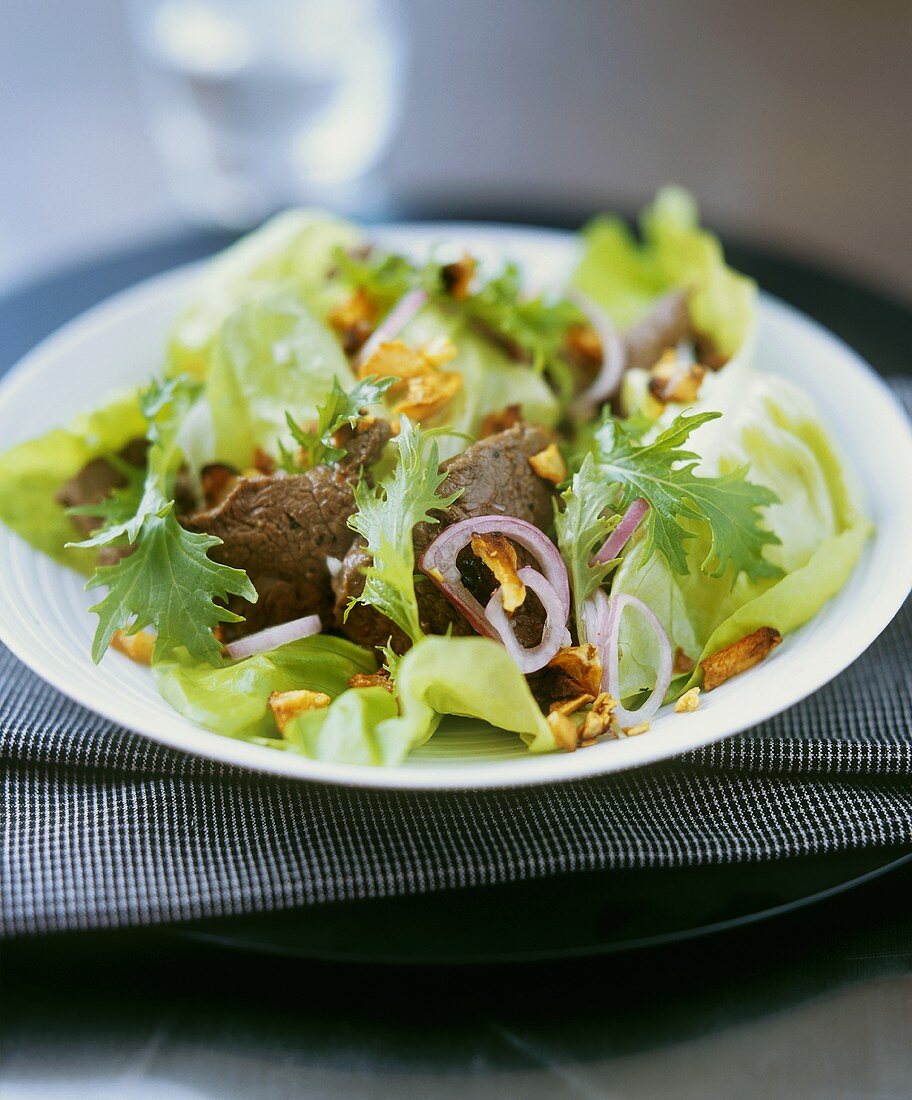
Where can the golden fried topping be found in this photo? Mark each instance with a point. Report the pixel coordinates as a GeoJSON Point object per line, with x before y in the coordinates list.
{"type": "Point", "coordinates": [138, 647]}
{"type": "Point", "coordinates": [549, 464]}
{"type": "Point", "coordinates": [583, 346]}
{"type": "Point", "coordinates": [500, 421]}
{"type": "Point", "coordinates": [580, 669]}
{"type": "Point", "coordinates": [599, 719]}
{"type": "Point", "coordinates": [564, 730]}
{"type": "Point", "coordinates": [738, 657]}
{"type": "Point", "coordinates": [708, 353]}
{"type": "Point", "coordinates": [354, 320]}
{"type": "Point", "coordinates": [688, 702]}
{"type": "Point", "coordinates": [457, 277]}
{"type": "Point", "coordinates": [286, 705]}
{"type": "Point", "coordinates": [426, 394]}
{"type": "Point", "coordinates": [372, 679]}
{"type": "Point", "coordinates": [571, 706]}
{"type": "Point", "coordinates": [671, 381]}
{"type": "Point", "coordinates": [499, 555]}
{"type": "Point", "coordinates": [635, 731]}
{"type": "Point", "coordinates": [682, 663]}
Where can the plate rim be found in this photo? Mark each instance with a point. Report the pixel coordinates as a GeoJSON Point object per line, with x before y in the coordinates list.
{"type": "Point", "coordinates": [534, 769]}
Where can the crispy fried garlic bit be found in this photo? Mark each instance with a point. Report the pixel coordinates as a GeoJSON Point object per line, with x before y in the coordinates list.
{"type": "Point", "coordinates": [424, 387]}
{"type": "Point", "coordinates": [138, 647]}
{"type": "Point", "coordinates": [457, 277]}
{"type": "Point", "coordinates": [354, 319]}
{"type": "Point", "coordinates": [598, 719]}
{"type": "Point", "coordinates": [371, 679]}
{"type": "Point", "coordinates": [688, 702]}
{"type": "Point", "coordinates": [499, 555]}
{"type": "Point", "coordinates": [739, 656]}
{"type": "Point", "coordinates": [579, 671]}
{"type": "Point", "coordinates": [671, 382]}
{"type": "Point", "coordinates": [286, 705]}
{"type": "Point", "coordinates": [549, 464]}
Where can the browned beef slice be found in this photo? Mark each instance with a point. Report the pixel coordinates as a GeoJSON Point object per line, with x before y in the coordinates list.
{"type": "Point", "coordinates": [95, 481]}
{"type": "Point", "coordinates": [496, 478]}
{"type": "Point", "coordinates": [281, 530]}
{"type": "Point", "coordinates": [666, 324]}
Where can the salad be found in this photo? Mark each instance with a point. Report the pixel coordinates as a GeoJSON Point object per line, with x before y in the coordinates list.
{"type": "Point", "coordinates": [365, 492]}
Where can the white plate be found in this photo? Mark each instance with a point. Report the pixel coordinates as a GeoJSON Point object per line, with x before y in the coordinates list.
{"type": "Point", "coordinates": [43, 615]}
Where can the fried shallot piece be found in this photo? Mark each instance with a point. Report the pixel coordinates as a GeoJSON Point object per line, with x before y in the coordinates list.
{"type": "Point", "coordinates": [371, 679]}
{"type": "Point", "coordinates": [499, 421]}
{"type": "Point", "coordinates": [354, 320]}
{"type": "Point", "coordinates": [739, 656]}
{"type": "Point", "coordinates": [286, 705]}
{"type": "Point", "coordinates": [673, 383]}
{"type": "Point", "coordinates": [549, 464]}
{"type": "Point", "coordinates": [457, 277]}
{"type": "Point", "coordinates": [499, 555]}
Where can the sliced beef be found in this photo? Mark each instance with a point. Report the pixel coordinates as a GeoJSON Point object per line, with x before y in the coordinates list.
{"type": "Point", "coordinates": [282, 529]}
{"type": "Point", "coordinates": [496, 478]}
{"type": "Point", "coordinates": [666, 324]}
{"type": "Point", "coordinates": [97, 480]}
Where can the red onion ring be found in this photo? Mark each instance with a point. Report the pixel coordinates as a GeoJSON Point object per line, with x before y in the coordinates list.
{"type": "Point", "coordinates": [439, 562]}
{"type": "Point", "coordinates": [617, 540]}
{"type": "Point", "coordinates": [614, 355]}
{"type": "Point", "coordinates": [554, 634]}
{"type": "Point", "coordinates": [394, 322]}
{"type": "Point", "coordinates": [611, 679]}
{"type": "Point", "coordinates": [274, 636]}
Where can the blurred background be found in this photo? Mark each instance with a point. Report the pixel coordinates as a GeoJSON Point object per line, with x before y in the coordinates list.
{"type": "Point", "coordinates": [124, 120]}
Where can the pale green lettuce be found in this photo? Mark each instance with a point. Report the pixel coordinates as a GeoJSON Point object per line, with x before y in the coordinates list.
{"type": "Point", "coordinates": [626, 276]}
{"type": "Point", "coordinates": [272, 357]}
{"type": "Point", "coordinates": [770, 424]}
{"type": "Point", "coordinates": [470, 677]}
{"type": "Point", "coordinates": [295, 249]}
{"type": "Point", "coordinates": [32, 473]}
{"type": "Point", "coordinates": [234, 698]}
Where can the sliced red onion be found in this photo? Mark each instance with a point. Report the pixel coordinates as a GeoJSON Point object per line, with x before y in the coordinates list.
{"type": "Point", "coordinates": [611, 679]}
{"type": "Point", "coordinates": [439, 562]}
{"type": "Point", "coordinates": [617, 540]}
{"type": "Point", "coordinates": [595, 619]}
{"type": "Point", "coordinates": [554, 633]}
{"type": "Point", "coordinates": [614, 355]}
{"type": "Point", "coordinates": [394, 322]}
{"type": "Point", "coordinates": [274, 636]}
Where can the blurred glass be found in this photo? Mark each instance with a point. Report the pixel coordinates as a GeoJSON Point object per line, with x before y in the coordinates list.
{"type": "Point", "coordinates": [259, 104]}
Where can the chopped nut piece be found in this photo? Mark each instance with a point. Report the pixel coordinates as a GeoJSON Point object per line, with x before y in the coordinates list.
{"type": "Point", "coordinates": [286, 705]}
{"type": "Point", "coordinates": [635, 731]}
{"type": "Point", "coordinates": [138, 647]}
{"type": "Point", "coordinates": [688, 702]}
{"type": "Point", "coordinates": [564, 730]}
{"type": "Point", "coordinates": [682, 663]}
{"type": "Point", "coordinates": [354, 320]}
{"type": "Point", "coordinates": [580, 666]}
{"type": "Point", "coordinates": [500, 421]}
{"type": "Point", "coordinates": [584, 346]}
{"type": "Point", "coordinates": [672, 381]}
{"type": "Point", "coordinates": [738, 657]}
{"type": "Point", "coordinates": [457, 276]}
{"type": "Point", "coordinates": [600, 717]}
{"type": "Point", "coordinates": [426, 394]}
{"type": "Point", "coordinates": [372, 679]}
{"type": "Point", "coordinates": [549, 464]}
{"type": "Point", "coordinates": [499, 555]}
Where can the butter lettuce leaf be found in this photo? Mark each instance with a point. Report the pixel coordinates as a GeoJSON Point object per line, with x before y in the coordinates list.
{"type": "Point", "coordinates": [32, 473]}
{"type": "Point", "coordinates": [234, 699]}
{"type": "Point", "coordinates": [273, 358]}
{"type": "Point", "coordinates": [626, 276]}
{"type": "Point", "coordinates": [295, 249]}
